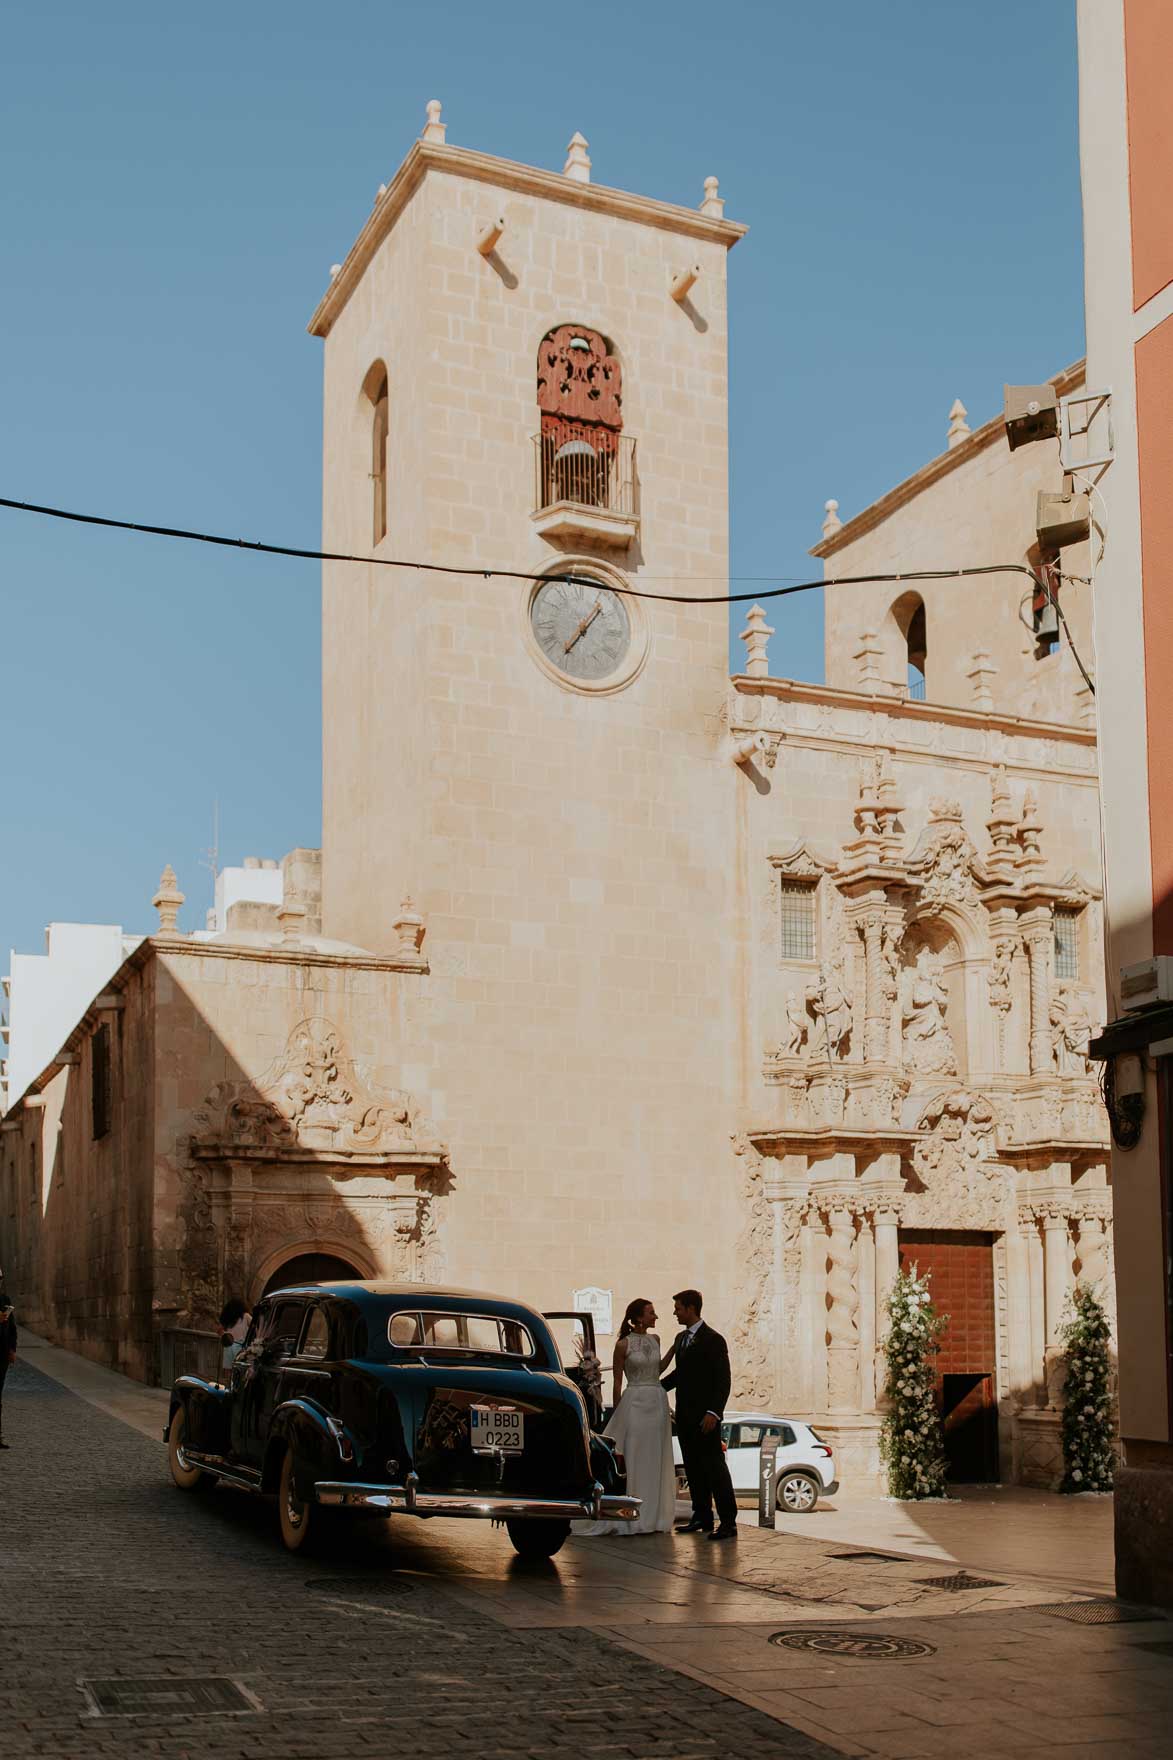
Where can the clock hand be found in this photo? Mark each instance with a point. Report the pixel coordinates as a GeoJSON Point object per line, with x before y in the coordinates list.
{"type": "Point", "coordinates": [583, 626]}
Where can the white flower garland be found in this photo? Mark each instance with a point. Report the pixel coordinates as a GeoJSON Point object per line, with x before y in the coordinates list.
{"type": "Point", "coordinates": [1089, 1426]}
{"type": "Point", "coordinates": [911, 1439]}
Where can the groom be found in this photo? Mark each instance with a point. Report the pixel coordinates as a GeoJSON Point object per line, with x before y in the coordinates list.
{"type": "Point", "coordinates": [701, 1379]}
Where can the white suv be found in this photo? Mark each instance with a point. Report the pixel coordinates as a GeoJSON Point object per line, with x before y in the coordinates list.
{"type": "Point", "coordinates": [804, 1464]}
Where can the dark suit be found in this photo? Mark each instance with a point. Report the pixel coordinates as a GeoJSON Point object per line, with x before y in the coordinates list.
{"type": "Point", "coordinates": [701, 1381]}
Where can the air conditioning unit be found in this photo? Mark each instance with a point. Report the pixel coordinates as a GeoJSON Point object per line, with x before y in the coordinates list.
{"type": "Point", "coordinates": [1150, 982]}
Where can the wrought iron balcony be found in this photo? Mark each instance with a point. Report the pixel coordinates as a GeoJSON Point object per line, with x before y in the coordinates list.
{"type": "Point", "coordinates": [585, 490]}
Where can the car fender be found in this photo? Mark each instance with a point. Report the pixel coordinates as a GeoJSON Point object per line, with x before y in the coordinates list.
{"type": "Point", "coordinates": [605, 1467]}
{"type": "Point", "coordinates": [206, 1409]}
{"type": "Point", "coordinates": [322, 1448]}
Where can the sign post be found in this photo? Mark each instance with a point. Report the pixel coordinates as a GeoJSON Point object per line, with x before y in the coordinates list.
{"type": "Point", "coordinates": [768, 1482]}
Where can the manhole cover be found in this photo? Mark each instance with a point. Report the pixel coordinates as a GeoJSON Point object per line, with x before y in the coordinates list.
{"type": "Point", "coordinates": [958, 1581]}
{"type": "Point", "coordinates": [873, 1557]}
{"type": "Point", "coordinates": [876, 1646]}
{"type": "Point", "coordinates": [161, 1697]}
{"type": "Point", "coordinates": [353, 1585]}
{"type": "Point", "coordinates": [1095, 1613]}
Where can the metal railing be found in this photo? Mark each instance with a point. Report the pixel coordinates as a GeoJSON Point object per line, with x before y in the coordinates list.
{"type": "Point", "coordinates": [184, 1351]}
{"type": "Point", "coordinates": [584, 475]}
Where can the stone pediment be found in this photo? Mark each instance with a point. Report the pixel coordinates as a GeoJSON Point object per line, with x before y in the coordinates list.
{"type": "Point", "coordinates": [800, 861]}
{"type": "Point", "coordinates": [313, 1103]}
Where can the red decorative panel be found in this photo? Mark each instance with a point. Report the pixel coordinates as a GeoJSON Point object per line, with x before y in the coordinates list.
{"type": "Point", "coordinates": [579, 388]}
{"type": "Point", "coordinates": [962, 1286]}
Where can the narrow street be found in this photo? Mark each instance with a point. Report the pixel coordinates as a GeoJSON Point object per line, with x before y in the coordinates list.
{"type": "Point", "coordinates": [140, 1620]}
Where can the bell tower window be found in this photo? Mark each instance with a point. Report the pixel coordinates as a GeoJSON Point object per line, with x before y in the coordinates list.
{"type": "Point", "coordinates": [376, 392]}
{"type": "Point", "coordinates": [584, 459]}
{"type": "Point", "coordinates": [908, 614]}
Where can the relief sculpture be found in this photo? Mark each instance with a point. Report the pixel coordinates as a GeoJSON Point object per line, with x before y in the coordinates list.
{"type": "Point", "coordinates": [928, 1043]}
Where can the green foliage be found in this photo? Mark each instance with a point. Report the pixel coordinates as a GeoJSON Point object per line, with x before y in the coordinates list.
{"type": "Point", "coordinates": [911, 1439]}
{"type": "Point", "coordinates": [1089, 1429]}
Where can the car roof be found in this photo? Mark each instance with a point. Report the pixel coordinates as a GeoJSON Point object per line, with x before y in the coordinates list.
{"type": "Point", "coordinates": [363, 1292]}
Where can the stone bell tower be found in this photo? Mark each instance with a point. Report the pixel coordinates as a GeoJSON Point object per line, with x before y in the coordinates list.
{"type": "Point", "coordinates": [526, 371]}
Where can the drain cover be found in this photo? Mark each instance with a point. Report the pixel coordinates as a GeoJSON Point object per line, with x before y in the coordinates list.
{"type": "Point", "coordinates": [163, 1697]}
{"type": "Point", "coordinates": [1095, 1613]}
{"type": "Point", "coordinates": [877, 1646]}
{"type": "Point", "coordinates": [958, 1581]}
{"type": "Point", "coordinates": [352, 1585]}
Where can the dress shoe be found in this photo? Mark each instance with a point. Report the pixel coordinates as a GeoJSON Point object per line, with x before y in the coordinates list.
{"type": "Point", "coordinates": [696, 1526]}
{"type": "Point", "coordinates": [723, 1533]}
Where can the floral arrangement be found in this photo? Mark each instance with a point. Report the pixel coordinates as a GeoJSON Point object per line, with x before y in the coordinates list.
{"type": "Point", "coordinates": [911, 1438]}
{"type": "Point", "coordinates": [1089, 1429]}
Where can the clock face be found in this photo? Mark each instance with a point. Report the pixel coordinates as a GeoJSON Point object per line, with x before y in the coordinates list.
{"type": "Point", "coordinates": [581, 627]}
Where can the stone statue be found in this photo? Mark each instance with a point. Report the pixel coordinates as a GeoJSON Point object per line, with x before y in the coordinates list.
{"type": "Point", "coordinates": [797, 1027]}
{"type": "Point", "coordinates": [1070, 1031]}
{"type": "Point", "coordinates": [829, 997]}
{"type": "Point", "coordinates": [928, 1043]}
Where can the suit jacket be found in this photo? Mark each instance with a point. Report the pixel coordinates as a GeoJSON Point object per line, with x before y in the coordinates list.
{"type": "Point", "coordinates": [701, 1375]}
{"type": "Point", "coordinates": [7, 1331]}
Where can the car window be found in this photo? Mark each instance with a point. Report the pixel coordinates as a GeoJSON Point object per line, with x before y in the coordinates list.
{"type": "Point", "coordinates": [316, 1338]}
{"type": "Point", "coordinates": [748, 1436]}
{"type": "Point", "coordinates": [788, 1437]}
{"type": "Point", "coordinates": [283, 1332]}
{"type": "Point", "coordinates": [476, 1334]}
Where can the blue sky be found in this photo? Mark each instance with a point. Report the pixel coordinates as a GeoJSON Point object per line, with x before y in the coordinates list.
{"type": "Point", "coordinates": [176, 185]}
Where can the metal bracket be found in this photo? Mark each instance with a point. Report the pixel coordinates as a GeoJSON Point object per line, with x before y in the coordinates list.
{"type": "Point", "coordinates": [1078, 426]}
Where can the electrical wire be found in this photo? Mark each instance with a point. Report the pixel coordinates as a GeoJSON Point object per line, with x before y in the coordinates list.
{"type": "Point", "coordinates": [255, 545]}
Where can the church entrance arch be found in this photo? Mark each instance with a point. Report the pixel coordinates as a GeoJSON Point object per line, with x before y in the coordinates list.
{"type": "Point", "coordinates": [311, 1268]}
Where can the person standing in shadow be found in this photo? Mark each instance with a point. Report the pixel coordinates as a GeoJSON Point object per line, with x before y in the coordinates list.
{"type": "Point", "coordinates": [702, 1380]}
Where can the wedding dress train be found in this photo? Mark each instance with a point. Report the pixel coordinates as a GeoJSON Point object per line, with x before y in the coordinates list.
{"type": "Point", "coordinates": [642, 1433]}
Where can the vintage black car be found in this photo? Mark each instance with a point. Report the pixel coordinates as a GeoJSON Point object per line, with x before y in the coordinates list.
{"type": "Point", "coordinates": [392, 1398]}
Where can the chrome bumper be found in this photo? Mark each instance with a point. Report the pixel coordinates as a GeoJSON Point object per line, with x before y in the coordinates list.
{"type": "Point", "coordinates": [408, 1499]}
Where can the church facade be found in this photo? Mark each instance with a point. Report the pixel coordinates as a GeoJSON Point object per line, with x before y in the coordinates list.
{"type": "Point", "coordinates": [618, 974]}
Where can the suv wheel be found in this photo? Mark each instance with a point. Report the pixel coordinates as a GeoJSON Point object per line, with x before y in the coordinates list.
{"type": "Point", "coordinates": [798, 1494]}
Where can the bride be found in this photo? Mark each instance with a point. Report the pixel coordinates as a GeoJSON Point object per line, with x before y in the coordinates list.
{"type": "Point", "coordinates": [639, 1426]}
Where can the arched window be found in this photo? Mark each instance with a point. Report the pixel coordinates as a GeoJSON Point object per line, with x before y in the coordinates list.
{"type": "Point", "coordinates": [909, 615]}
{"type": "Point", "coordinates": [375, 389]}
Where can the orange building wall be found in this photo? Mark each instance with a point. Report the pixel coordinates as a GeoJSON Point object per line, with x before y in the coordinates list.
{"type": "Point", "coordinates": [1148, 41]}
{"type": "Point", "coordinates": [1154, 400]}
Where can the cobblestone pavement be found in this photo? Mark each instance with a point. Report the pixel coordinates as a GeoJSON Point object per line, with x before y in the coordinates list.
{"type": "Point", "coordinates": [432, 1638]}
{"type": "Point", "coordinates": [108, 1573]}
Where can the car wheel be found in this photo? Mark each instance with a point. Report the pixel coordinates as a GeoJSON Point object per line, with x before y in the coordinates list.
{"type": "Point", "coordinates": [296, 1519]}
{"type": "Point", "coordinates": [183, 1474]}
{"type": "Point", "coordinates": [539, 1538]}
{"type": "Point", "coordinates": [798, 1494]}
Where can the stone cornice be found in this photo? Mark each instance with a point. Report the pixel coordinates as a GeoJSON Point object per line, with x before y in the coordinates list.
{"type": "Point", "coordinates": [905, 709]}
{"type": "Point", "coordinates": [939, 467]}
{"type": "Point", "coordinates": [528, 180]}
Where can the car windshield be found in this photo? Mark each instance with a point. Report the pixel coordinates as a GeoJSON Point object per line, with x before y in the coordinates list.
{"type": "Point", "coordinates": [471, 1334]}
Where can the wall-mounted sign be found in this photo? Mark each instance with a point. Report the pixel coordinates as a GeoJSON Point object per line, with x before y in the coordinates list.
{"type": "Point", "coordinates": [596, 1302]}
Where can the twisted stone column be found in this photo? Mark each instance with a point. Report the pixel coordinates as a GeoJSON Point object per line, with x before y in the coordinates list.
{"type": "Point", "coordinates": [842, 1314]}
{"type": "Point", "coordinates": [1057, 1281]}
{"type": "Point", "coordinates": [885, 1225]}
{"type": "Point", "coordinates": [877, 1012]}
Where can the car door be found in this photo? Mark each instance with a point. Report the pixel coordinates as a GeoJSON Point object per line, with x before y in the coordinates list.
{"type": "Point", "coordinates": [307, 1375]}
{"type": "Point", "coordinates": [258, 1377]}
{"type": "Point", "coordinates": [742, 1452]}
{"type": "Point", "coordinates": [574, 1334]}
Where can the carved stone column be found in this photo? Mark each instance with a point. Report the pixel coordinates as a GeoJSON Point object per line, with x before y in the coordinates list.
{"type": "Point", "coordinates": [1029, 1223]}
{"type": "Point", "coordinates": [877, 1012]}
{"type": "Point", "coordinates": [1018, 1318]}
{"type": "Point", "coordinates": [885, 1224]}
{"type": "Point", "coordinates": [842, 1312]}
{"type": "Point", "coordinates": [1039, 936]}
{"type": "Point", "coordinates": [1093, 1253]}
{"type": "Point", "coordinates": [866, 1251]}
{"type": "Point", "coordinates": [1057, 1282]}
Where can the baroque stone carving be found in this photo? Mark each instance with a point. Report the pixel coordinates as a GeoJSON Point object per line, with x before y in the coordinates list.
{"type": "Point", "coordinates": [312, 1098]}
{"type": "Point", "coordinates": [927, 1042]}
{"type": "Point", "coordinates": [945, 862]}
{"type": "Point", "coordinates": [1070, 1031]}
{"type": "Point", "coordinates": [754, 1330]}
{"type": "Point", "coordinates": [957, 1129]}
{"type": "Point", "coordinates": [829, 999]}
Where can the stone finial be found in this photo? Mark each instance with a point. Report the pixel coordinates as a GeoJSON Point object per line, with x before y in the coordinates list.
{"type": "Point", "coordinates": [756, 636]}
{"type": "Point", "coordinates": [409, 930]}
{"type": "Point", "coordinates": [1030, 832]}
{"type": "Point", "coordinates": [713, 204]}
{"type": "Point", "coordinates": [434, 129]}
{"type": "Point", "coordinates": [868, 652]}
{"type": "Point", "coordinates": [335, 271]}
{"type": "Point", "coordinates": [578, 161]}
{"type": "Point", "coordinates": [1002, 823]}
{"type": "Point", "coordinates": [832, 523]}
{"type": "Point", "coordinates": [958, 426]}
{"type": "Point", "coordinates": [983, 668]}
{"type": "Point", "coordinates": [167, 902]}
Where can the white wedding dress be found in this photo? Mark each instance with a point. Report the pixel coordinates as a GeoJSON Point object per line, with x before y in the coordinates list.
{"type": "Point", "coordinates": [640, 1429]}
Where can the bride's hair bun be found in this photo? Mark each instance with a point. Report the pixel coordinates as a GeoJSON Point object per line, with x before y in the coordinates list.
{"type": "Point", "coordinates": [632, 1313]}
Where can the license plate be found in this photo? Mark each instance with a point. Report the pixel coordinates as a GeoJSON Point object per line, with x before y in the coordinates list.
{"type": "Point", "coordinates": [494, 1431]}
